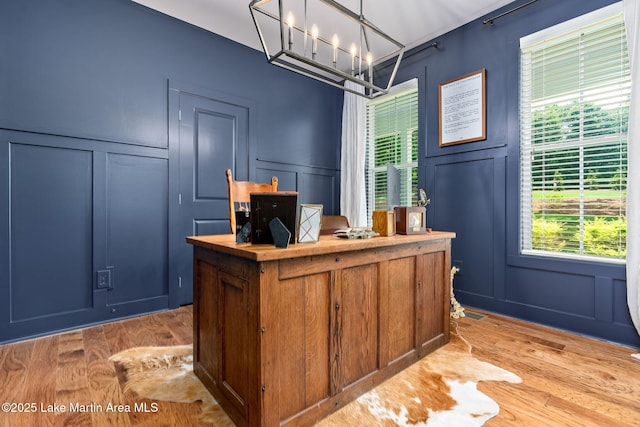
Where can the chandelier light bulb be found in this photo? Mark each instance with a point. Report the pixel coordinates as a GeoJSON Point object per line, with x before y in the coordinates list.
{"type": "Point", "coordinates": [314, 41]}
{"type": "Point", "coordinates": [370, 62]}
{"type": "Point", "coordinates": [336, 43]}
{"type": "Point", "coordinates": [353, 58]}
{"type": "Point", "coordinates": [290, 23]}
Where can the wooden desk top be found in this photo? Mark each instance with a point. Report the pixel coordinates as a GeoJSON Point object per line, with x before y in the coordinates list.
{"type": "Point", "coordinates": [226, 243]}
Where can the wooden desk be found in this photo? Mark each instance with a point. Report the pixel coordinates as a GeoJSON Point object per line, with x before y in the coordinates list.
{"type": "Point", "coordinates": [288, 336]}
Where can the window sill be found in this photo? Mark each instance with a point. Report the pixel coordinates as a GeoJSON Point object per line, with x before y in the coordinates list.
{"type": "Point", "coordinates": [585, 267]}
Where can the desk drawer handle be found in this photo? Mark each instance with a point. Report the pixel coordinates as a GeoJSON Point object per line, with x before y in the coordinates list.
{"type": "Point", "coordinates": [337, 259]}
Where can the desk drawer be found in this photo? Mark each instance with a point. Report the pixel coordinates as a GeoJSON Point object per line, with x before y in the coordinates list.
{"type": "Point", "coordinates": [291, 268]}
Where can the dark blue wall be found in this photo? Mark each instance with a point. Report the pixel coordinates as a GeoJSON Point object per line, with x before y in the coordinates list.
{"type": "Point", "coordinates": [86, 155]}
{"type": "Point", "coordinates": [474, 187]}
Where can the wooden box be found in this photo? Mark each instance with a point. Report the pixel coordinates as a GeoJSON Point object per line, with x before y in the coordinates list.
{"type": "Point", "coordinates": [384, 222]}
{"type": "Point", "coordinates": [411, 219]}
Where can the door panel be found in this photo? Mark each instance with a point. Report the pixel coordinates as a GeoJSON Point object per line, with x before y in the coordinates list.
{"type": "Point", "coordinates": [213, 152]}
{"type": "Point", "coordinates": [400, 332]}
{"type": "Point", "coordinates": [234, 328]}
{"type": "Point", "coordinates": [358, 313]}
{"type": "Point", "coordinates": [213, 136]}
{"type": "Point", "coordinates": [431, 324]}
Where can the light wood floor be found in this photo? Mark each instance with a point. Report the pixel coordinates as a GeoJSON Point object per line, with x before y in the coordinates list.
{"type": "Point", "coordinates": [568, 380]}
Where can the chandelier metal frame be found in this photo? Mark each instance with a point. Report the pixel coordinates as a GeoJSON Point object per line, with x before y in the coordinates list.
{"type": "Point", "coordinates": [302, 63]}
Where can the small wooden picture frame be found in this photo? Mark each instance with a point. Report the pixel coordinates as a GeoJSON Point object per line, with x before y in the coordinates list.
{"type": "Point", "coordinates": [384, 222]}
{"type": "Point", "coordinates": [411, 219]}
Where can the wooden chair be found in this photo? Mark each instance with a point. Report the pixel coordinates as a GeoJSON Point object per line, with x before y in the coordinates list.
{"type": "Point", "coordinates": [239, 195]}
{"type": "Point", "coordinates": [331, 223]}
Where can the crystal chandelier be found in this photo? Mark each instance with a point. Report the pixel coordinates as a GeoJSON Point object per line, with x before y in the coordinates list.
{"type": "Point", "coordinates": [324, 40]}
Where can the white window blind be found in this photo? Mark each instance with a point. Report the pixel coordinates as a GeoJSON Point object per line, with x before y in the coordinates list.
{"type": "Point", "coordinates": [392, 139]}
{"type": "Point", "coordinates": [575, 89]}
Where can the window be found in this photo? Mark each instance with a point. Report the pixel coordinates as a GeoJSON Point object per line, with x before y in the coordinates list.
{"type": "Point", "coordinates": [392, 139]}
{"type": "Point", "coordinates": [575, 92]}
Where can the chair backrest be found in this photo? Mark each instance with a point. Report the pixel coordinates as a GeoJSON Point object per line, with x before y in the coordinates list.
{"type": "Point", "coordinates": [239, 195]}
{"type": "Point", "coordinates": [331, 223]}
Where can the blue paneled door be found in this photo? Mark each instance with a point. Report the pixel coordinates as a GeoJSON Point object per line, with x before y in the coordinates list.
{"type": "Point", "coordinates": [213, 135]}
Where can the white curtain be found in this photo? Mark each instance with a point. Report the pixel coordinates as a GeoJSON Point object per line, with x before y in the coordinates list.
{"type": "Point", "coordinates": [632, 20]}
{"type": "Point", "coordinates": [353, 202]}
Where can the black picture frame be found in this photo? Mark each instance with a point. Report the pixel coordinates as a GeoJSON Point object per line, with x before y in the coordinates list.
{"type": "Point", "coordinates": [267, 206]}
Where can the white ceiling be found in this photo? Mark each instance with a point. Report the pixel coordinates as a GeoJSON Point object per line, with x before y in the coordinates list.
{"type": "Point", "coordinates": [411, 22]}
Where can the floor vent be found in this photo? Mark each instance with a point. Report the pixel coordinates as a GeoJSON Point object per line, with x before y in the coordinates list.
{"type": "Point", "coordinates": [473, 315]}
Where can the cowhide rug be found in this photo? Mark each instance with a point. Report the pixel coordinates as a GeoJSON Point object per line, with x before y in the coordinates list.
{"type": "Point", "coordinates": [439, 390]}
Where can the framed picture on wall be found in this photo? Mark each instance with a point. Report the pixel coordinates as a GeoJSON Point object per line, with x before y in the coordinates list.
{"type": "Point", "coordinates": [462, 109]}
